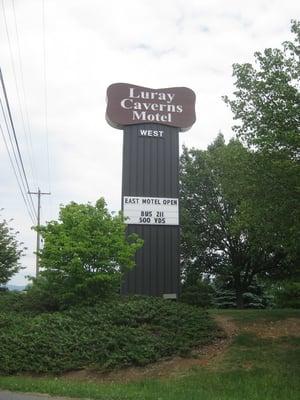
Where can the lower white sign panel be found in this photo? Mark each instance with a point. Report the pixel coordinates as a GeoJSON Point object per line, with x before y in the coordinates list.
{"type": "Point", "coordinates": [151, 210]}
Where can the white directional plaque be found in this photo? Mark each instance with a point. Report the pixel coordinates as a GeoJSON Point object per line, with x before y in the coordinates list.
{"type": "Point", "coordinates": [151, 210]}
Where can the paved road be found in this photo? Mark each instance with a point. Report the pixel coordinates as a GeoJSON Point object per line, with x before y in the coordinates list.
{"type": "Point", "coordinates": [5, 395]}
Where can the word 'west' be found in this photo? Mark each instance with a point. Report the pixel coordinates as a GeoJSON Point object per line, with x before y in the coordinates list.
{"type": "Point", "coordinates": [151, 133]}
{"type": "Point", "coordinates": [159, 108]}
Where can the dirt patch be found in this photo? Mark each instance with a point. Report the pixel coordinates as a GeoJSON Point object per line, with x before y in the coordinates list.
{"type": "Point", "coordinates": [275, 329]}
{"type": "Point", "coordinates": [176, 366]}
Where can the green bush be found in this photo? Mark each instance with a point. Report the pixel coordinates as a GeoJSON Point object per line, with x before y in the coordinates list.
{"type": "Point", "coordinates": [200, 294]}
{"type": "Point", "coordinates": [108, 335]}
{"type": "Point", "coordinates": [31, 301]}
{"type": "Point", "coordinates": [256, 296]}
{"type": "Point", "coordinates": [12, 301]}
{"type": "Point", "coordinates": [288, 295]}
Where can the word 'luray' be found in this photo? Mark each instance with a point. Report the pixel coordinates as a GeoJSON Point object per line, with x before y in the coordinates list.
{"type": "Point", "coordinates": [142, 110]}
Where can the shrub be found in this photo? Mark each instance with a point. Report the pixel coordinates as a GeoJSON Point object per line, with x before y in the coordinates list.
{"type": "Point", "coordinates": [287, 295]}
{"type": "Point", "coordinates": [200, 294]}
{"type": "Point", "coordinates": [255, 297]}
{"type": "Point", "coordinates": [12, 301]}
{"type": "Point", "coordinates": [108, 335]}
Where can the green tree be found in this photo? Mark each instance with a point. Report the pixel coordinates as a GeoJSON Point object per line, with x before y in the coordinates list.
{"type": "Point", "coordinates": [84, 256]}
{"type": "Point", "coordinates": [217, 238]}
{"type": "Point", "coordinates": [240, 205]}
{"type": "Point", "coordinates": [267, 100]}
{"type": "Point", "coordinates": [10, 252]}
{"type": "Point", "coordinates": [266, 106]}
{"type": "Point", "coordinates": [256, 295]}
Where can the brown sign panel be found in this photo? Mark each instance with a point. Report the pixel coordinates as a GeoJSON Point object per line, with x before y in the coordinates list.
{"type": "Point", "coordinates": [130, 104]}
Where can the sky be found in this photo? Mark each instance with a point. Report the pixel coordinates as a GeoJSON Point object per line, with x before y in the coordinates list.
{"type": "Point", "coordinates": [59, 56]}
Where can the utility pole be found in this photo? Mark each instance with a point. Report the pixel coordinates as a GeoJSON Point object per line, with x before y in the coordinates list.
{"type": "Point", "coordinates": [38, 240]}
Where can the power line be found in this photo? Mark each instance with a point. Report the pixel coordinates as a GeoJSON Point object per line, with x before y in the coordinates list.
{"type": "Point", "coordinates": [16, 175]}
{"type": "Point", "coordinates": [45, 88]}
{"type": "Point", "coordinates": [12, 145]}
{"type": "Point", "coordinates": [16, 140]}
{"type": "Point", "coordinates": [15, 79]}
{"type": "Point", "coordinates": [31, 157]}
{"type": "Point", "coordinates": [19, 178]}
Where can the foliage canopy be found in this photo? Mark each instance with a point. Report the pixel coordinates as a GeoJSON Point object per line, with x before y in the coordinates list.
{"type": "Point", "coordinates": [218, 236]}
{"type": "Point", "coordinates": [241, 214]}
{"type": "Point", "coordinates": [266, 103]}
{"type": "Point", "coordinates": [267, 100]}
{"type": "Point", "coordinates": [10, 252]}
{"type": "Point", "coordinates": [84, 256]}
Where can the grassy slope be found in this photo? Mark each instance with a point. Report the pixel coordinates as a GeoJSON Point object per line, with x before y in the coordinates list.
{"type": "Point", "coordinates": [253, 369]}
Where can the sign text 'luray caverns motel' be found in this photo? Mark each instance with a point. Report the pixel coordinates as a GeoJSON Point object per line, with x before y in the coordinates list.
{"type": "Point", "coordinates": [151, 120]}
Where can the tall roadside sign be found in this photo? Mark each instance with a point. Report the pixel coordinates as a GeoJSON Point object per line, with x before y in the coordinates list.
{"type": "Point", "coordinates": [151, 120]}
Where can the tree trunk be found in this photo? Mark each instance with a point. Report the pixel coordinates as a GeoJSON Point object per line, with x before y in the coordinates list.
{"type": "Point", "coordinates": [239, 299]}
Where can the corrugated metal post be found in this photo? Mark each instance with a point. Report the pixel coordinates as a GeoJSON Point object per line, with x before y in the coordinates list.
{"type": "Point", "coordinates": [150, 169]}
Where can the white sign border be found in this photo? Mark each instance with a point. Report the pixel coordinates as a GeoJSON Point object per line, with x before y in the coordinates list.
{"type": "Point", "coordinates": [157, 208]}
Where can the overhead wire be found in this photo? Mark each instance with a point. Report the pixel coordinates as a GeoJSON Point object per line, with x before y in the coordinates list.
{"type": "Point", "coordinates": [31, 156]}
{"type": "Point", "coordinates": [45, 91]}
{"type": "Point", "coordinates": [17, 167]}
{"type": "Point", "coordinates": [16, 82]}
{"type": "Point", "coordinates": [15, 155]}
{"type": "Point", "coordinates": [16, 142]}
{"type": "Point", "coordinates": [13, 147]}
{"type": "Point", "coordinates": [16, 176]}
{"type": "Point", "coordinates": [50, 204]}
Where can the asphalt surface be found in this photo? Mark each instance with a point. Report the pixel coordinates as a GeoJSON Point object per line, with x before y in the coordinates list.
{"type": "Point", "coordinates": [5, 395]}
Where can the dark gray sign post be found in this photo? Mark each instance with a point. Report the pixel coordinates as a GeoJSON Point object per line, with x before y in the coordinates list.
{"type": "Point", "coordinates": [151, 120]}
